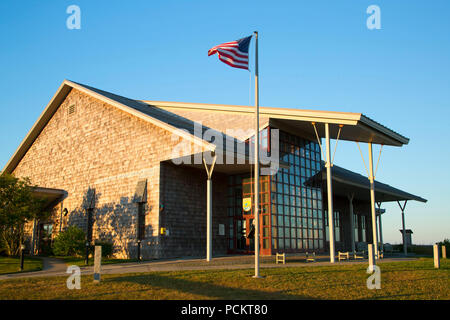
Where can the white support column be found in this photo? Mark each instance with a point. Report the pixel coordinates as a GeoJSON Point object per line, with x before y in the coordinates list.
{"type": "Point", "coordinates": [405, 245]}
{"type": "Point", "coordinates": [372, 201]}
{"type": "Point", "coordinates": [330, 194]}
{"type": "Point", "coordinates": [352, 226]}
{"type": "Point", "coordinates": [371, 256]}
{"type": "Point", "coordinates": [380, 226]}
{"type": "Point", "coordinates": [209, 172]}
{"type": "Point", "coordinates": [209, 219]}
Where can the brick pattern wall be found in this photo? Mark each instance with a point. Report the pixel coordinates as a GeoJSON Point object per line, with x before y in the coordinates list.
{"type": "Point", "coordinates": [103, 148]}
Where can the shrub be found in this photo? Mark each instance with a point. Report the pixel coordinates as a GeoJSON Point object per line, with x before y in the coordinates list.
{"type": "Point", "coordinates": [70, 242]}
{"type": "Point", "coordinates": [107, 248]}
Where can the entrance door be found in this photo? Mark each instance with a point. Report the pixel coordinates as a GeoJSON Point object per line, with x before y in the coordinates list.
{"type": "Point", "coordinates": [45, 238]}
{"type": "Point", "coordinates": [242, 238]}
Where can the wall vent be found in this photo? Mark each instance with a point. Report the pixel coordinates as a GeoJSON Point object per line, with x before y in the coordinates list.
{"type": "Point", "coordinates": [71, 109]}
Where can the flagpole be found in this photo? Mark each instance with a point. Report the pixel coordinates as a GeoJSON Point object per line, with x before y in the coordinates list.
{"type": "Point", "coordinates": [256, 197]}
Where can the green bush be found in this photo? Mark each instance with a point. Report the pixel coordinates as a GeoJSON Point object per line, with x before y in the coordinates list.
{"type": "Point", "coordinates": [70, 242]}
{"type": "Point", "coordinates": [107, 248]}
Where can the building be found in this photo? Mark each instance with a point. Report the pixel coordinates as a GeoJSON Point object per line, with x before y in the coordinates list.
{"type": "Point", "coordinates": [407, 236]}
{"type": "Point", "coordinates": [132, 172]}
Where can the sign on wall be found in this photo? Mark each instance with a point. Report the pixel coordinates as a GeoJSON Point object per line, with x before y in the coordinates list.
{"type": "Point", "coordinates": [247, 204]}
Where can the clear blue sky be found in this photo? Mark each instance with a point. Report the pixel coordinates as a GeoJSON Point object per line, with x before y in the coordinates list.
{"type": "Point", "coordinates": [313, 54]}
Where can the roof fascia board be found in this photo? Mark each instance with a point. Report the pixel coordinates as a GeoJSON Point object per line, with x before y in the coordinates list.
{"type": "Point", "coordinates": [384, 130]}
{"type": "Point", "coordinates": [282, 113]}
{"type": "Point", "coordinates": [412, 197]}
{"type": "Point", "coordinates": [37, 127]}
{"type": "Point", "coordinates": [332, 117]}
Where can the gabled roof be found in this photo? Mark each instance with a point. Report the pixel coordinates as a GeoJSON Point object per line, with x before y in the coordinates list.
{"type": "Point", "coordinates": [163, 119]}
{"type": "Point", "coordinates": [169, 116]}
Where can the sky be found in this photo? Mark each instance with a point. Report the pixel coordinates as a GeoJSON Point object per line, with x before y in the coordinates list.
{"type": "Point", "coordinates": [317, 55]}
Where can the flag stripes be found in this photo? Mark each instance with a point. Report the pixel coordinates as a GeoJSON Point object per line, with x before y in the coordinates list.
{"type": "Point", "coordinates": [234, 53]}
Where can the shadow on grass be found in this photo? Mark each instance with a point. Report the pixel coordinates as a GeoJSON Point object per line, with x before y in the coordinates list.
{"type": "Point", "coordinates": [208, 289]}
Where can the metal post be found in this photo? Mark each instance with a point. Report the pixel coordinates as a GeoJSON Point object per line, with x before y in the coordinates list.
{"type": "Point", "coordinates": [138, 250]}
{"type": "Point", "coordinates": [381, 232]}
{"type": "Point", "coordinates": [352, 226]}
{"type": "Point", "coordinates": [371, 256]}
{"type": "Point", "coordinates": [209, 219]}
{"type": "Point", "coordinates": [22, 249]}
{"type": "Point", "coordinates": [330, 194]}
{"type": "Point", "coordinates": [444, 252]}
{"type": "Point", "coordinates": [372, 201]}
{"type": "Point", "coordinates": [437, 263]}
{"type": "Point", "coordinates": [209, 172]}
{"type": "Point", "coordinates": [256, 197]}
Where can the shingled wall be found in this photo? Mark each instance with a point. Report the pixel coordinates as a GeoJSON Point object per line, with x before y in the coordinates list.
{"type": "Point", "coordinates": [101, 147]}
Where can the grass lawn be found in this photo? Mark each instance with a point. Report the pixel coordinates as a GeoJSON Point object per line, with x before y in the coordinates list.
{"type": "Point", "coordinates": [399, 280]}
{"type": "Point", "coordinates": [12, 264]}
{"type": "Point", "coordinates": [78, 261]}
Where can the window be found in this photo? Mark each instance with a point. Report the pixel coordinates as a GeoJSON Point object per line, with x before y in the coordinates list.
{"type": "Point", "coordinates": [363, 228]}
{"type": "Point", "coordinates": [299, 208]}
{"type": "Point", "coordinates": [355, 227]}
{"type": "Point", "coordinates": [337, 226]}
{"type": "Point", "coordinates": [294, 211]}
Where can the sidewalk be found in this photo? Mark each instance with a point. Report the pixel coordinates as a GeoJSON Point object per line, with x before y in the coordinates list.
{"type": "Point", "coordinates": [54, 267]}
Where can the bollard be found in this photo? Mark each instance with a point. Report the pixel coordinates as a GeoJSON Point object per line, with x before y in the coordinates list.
{"type": "Point", "coordinates": [97, 263]}
{"type": "Point", "coordinates": [437, 263]}
{"type": "Point", "coordinates": [444, 252]}
{"type": "Point", "coordinates": [371, 257]}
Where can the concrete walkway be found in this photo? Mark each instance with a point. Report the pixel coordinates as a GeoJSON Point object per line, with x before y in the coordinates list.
{"type": "Point", "coordinates": [54, 267]}
{"type": "Point", "coordinates": [51, 266]}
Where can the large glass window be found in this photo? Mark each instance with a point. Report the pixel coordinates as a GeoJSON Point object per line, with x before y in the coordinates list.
{"type": "Point", "coordinates": [291, 213]}
{"type": "Point", "coordinates": [299, 208]}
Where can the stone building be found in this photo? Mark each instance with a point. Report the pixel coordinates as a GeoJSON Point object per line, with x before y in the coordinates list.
{"type": "Point", "coordinates": [133, 171]}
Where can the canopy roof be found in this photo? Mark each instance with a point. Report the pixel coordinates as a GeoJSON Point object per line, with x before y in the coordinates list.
{"type": "Point", "coordinates": [357, 127]}
{"type": "Point", "coordinates": [346, 182]}
{"type": "Point", "coordinates": [51, 196]}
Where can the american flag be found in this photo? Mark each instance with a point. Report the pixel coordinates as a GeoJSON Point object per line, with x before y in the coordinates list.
{"type": "Point", "coordinates": [234, 53]}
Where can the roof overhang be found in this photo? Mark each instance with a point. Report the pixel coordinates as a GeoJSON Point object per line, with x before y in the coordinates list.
{"type": "Point", "coordinates": [346, 183]}
{"type": "Point", "coordinates": [357, 127]}
{"type": "Point", "coordinates": [51, 196]}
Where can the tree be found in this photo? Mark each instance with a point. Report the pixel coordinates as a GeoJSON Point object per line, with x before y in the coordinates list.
{"type": "Point", "coordinates": [70, 242]}
{"type": "Point", "coordinates": [17, 207]}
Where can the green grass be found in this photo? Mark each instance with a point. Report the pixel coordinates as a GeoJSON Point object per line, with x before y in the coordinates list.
{"type": "Point", "coordinates": [12, 264]}
{"type": "Point", "coordinates": [399, 280]}
{"type": "Point", "coordinates": [79, 261]}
